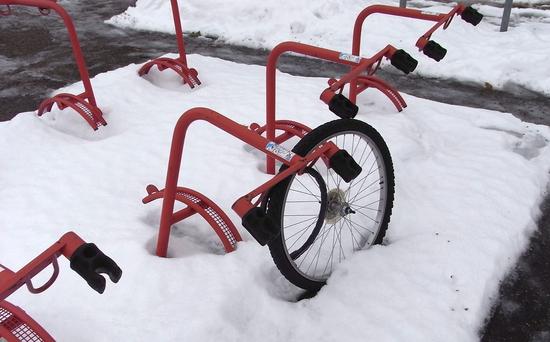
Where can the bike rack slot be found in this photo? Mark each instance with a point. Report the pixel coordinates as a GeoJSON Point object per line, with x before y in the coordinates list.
{"type": "Point", "coordinates": [198, 203]}
{"type": "Point", "coordinates": [441, 20]}
{"type": "Point", "coordinates": [290, 129]}
{"type": "Point", "coordinates": [84, 104]}
{"type": "Point", "coordinates": [359, 66]}
{"type": "Point", "coordinates": [361, 75]}
{"type": "Point", "coordinates": [179, 65]}
{"type": "Point", "coordinates": [17, 326]}
{"type": "Point", "coordinates": [395, 97]}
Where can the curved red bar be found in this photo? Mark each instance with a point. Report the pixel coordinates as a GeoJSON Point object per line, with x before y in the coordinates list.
{"type": "Point", "coordinates": [440, 18]}
{"type": "Point", "coordinates": [198, 203]}
{"type": "Point", "coordinates": [17, 326]}
{"type": "Point", "coordinates": [179, 65]}
{"type": "Point", "coordinates": [358, 66]}
{"type": "Point", "coordinates": [12, 281]}
{"type": "Point", "coordinates": [176, 152]}
{"type": "Point", "coordinates": [241, 132]}
{"type": "Point", "coordinates": [77, 51]}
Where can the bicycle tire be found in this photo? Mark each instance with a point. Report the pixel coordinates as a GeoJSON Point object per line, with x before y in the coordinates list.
{"type": "Point", "coordinates": [337, 209]}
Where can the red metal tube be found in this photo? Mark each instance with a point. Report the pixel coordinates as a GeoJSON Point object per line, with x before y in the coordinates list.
{"type": "Point", "coordinates": [77, 52]}
{"type": "Point", "coordinates": [271, 68]}
{"type": "Point", "coordinates": [241, 132]}
{"type": "Point", "coordinates": [179, 31]}
{"type": "Point", "coordinates": [390, 10]}
{"type": "Point", "coordinates": [12, 281]}
{"type": "Point", "coordinates": [440, 18]}
{"type": "Point", "coordinates": [357, 63]}
{"type": "Point", "coordinates": [17, 319]}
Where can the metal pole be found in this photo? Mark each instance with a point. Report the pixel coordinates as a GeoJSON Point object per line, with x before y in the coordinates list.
{"type": "Point", "coordinates": [403, 3]}
{"type": "Point", "coordinates": [506, 15]}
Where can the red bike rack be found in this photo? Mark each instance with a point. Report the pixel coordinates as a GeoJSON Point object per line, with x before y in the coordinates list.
{"type": "Point", "coordinates": [198, 203]}
{"type": "Point", "coordinates": [361, 76]}
{"type": "Point", "coordinates": [85, 103]}
{"type": "Point", "coordinates": [179, 65]}
{"type": "Point", "coordinates": [358, 64]}
{"type": "Point", "coordinates": [429, 47]}
{"type": "Point", "coordinates": [85, 258]}
{"type": "Point", "coordinates": [16, 325]}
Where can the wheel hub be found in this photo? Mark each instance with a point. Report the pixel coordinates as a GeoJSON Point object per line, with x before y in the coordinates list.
{"type": "Point", "coordinates": [337, 207]}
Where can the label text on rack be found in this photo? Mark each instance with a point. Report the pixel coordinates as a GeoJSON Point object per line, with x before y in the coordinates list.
{"type": "Point", "coordinates": [350, 58]}
{"type": "Point", "coordinates": [279, 150]}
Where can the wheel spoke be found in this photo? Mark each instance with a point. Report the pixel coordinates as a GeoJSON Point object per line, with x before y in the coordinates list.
{"type": "Point", "coordinates": [305, 187]}
{"type": "Point", "coordinates": [343, 216]}
{"type": "Point", "coordinates": [367, 195]}
{"type": "Point", "coordinates": [355, 226]}
{"type": "Point", "coordinates": [315, 257]}
{"type": "Point", "coordinates": [305, 193]}
{"type": "Point", "coordinates": [363, 183]}
{"type": "Point", "coordinates": [298, 239]}
{"type": "Point", "coordinates": [309, 219]}
{"type": "Point", "coordinates": [353, 239]}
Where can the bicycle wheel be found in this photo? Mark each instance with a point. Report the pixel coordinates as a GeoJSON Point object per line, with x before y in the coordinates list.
{"type": "Point", "coordinates": [324, 219]}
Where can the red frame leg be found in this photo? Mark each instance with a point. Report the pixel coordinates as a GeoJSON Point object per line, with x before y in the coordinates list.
{"type": "Point", "coordinates": [85, 103]}
{"type": "Point", "coordinates": [179, 65]}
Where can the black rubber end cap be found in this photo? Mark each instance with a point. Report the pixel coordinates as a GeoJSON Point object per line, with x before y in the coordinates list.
{"type": "Point", "coordinates": [262, 227]}
{"type": "Point", "coordinates": [90, 262]}
{"type": "Point", "coordinates": [471, 15]}
{"type": "Point", "coordinates": [343, 107]}
{"type": "Point", "coordinates": [403, 61]}
{"type": "Point", "coordinates": [434, 51]}
{"type": "Point", "coordinates": [345, 166]}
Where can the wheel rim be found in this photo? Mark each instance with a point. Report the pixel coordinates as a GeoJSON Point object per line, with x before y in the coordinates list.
{"type": "Point", "coordinates": [350, 217]}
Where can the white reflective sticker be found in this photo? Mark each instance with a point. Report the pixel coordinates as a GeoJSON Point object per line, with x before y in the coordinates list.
{"type": "Point", "coordinates": [350, 58]}
{"type": "Point", "coordinates": [279, 150]}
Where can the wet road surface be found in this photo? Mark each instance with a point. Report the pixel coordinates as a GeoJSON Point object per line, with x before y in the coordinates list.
{"type": "Point", "coordinates": [36, 58]}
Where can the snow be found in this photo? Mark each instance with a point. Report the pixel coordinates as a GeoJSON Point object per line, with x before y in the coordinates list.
{"type": "Point", "coordinates": [475, 54]}
{"type": "Point", "coordinates": [468, 184]}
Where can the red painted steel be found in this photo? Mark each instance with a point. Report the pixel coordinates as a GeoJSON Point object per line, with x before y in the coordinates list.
{"type": "Point", "coordinates": [361, 75]}
{"type": "Point", "coordinates": [12, 281]}
{"type": "Point", "coordinates": [179, 65]}
{"type": "Point", "coordinates": [441, 19]}
{"type": "Point", "coordinates": [15, 324]}
{"type": "Point", "coordinates": [85, 103]}
{"type": "Point", "coordinates": [172, 192]}
{"type": "Point", "coordinates": [359, 66]}
{"type": "Point", "coordinates": [198, 203]}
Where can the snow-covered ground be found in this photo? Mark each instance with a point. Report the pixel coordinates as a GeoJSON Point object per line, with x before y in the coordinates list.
{"type": "Point", "coordinates": [468, 184]}
{"type": "Point", "coordinates": [477, 54]}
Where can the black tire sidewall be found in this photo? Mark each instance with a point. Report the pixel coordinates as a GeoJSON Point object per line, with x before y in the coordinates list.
{"type": "Point", "coordinates": [278, 193]}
